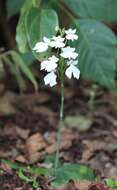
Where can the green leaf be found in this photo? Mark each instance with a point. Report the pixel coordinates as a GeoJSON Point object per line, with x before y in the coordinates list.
{"type": "Point", "coordinates": [104, 10]}
{"type": "Point", "coordinates": [40, 23]}
{"type": "Point", "coordinates": [28, 58]}
{"type": "Point", "coordinates": [13, 6]}
{"type": "Point", "coordinates": [97, 52]}
{"type": "Point", "coordinates": [23, 177]}
{"type": "Point", "coordinates": [13, 165]}
{"type": "Point", "coordinates": [24, 68]}
{"type": "Point", "coordinates": [21, 37]}
{"type": "Point", "coordinates": [50, 159]}
{"type": "Point", "coordinates": [32, 170]}
{"type": "Point", "coordinates": [111, 182]}
{"type": "Point", "coordinates": [69, 172]}
{"type": "Point", "coordinates": [15, 71]}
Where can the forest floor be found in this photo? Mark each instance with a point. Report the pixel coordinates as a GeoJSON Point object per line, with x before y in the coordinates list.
{"type": "Point", "coordinates": [28, 125]}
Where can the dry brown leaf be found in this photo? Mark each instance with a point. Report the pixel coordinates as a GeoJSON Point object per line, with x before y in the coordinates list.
{"type": "Point", "coordinates": [37, 156]}
{"type": "Point", "coordinates": [20, 158]}
{"type": "Point", "coordinates": [34, 146]}
{"type": "Point", "coordinates": [114, 133]}
{"type": "Point", "coordinates": [35, 143]}
{"type": "Point", "coordinates": [64, 145]}
{"type": "Point", "coordinates": [82, 185]}
{"type": "Point", "coordinates": [69, 135]}
{"type": "Point", "coordinates": [23, 133]}
{"type": "Point", "coordinates": [91, 147]}
{"type": "Point", "coordinates": [50, 137]}
{"type": "Point", "coordinates": [18, 188]}
{"type": "Point", "coordinates": [66, 140]}
{"type": "Point", "coordinates": [98, 186]}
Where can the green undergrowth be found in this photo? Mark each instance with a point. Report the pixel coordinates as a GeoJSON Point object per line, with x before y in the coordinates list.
{"type": "Point", "coordinates": [62, 175]}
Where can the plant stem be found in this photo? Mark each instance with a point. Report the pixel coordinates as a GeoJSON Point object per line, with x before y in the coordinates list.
{"type": "Point", "coordinates": [60, 124]}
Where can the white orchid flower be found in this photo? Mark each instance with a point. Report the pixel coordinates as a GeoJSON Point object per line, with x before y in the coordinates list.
{"type": "Point", "coordinates": [69, 53]}
{"type": "Point", "coordinates": [40, 47]}
{"type": "Point", "coordinates": [72, 70]}
{"type": "Point", "coordinates": [50, 64]}
{"type": "Point", "coordinates": [57, 42]}
{"type": "Point", "coordinates": [50, 79]}
{"type": "Point", "coordinates": [70, 34]}
{"type": "Point", "coordinates": [47, 41]}
{"type": "Point", "coordinates": [53, 59]}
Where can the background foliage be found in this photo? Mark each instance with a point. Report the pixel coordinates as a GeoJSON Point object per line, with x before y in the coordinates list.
{"type": "Point", "coordinates": [97, 42]}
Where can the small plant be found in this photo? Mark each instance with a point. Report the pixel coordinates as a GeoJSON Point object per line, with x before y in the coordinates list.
{"type": "Point", "coordinates": [111, 183]}
{"type": "Point", "coordinates": [62, 62]}
{"type": "Point", "coordinates": [63, 174]}
{"type": "Point", "coordinates": [15, 62]}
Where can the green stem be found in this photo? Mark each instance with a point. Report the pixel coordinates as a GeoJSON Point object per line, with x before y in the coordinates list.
{"type": "Point", "coordinates": [60, 125]}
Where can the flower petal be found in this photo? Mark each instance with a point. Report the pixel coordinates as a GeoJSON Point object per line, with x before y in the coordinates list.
{"type": "Point", "coordinates": [72, 70]}
{"type": "Point", "coordinates": [70, 34]}
{"type": "Point", "coordinates": [50, 79]}
{"type": "Point", "coordinates": [69, 53]}
{"type": "Point", "coordinates": [40, 47]}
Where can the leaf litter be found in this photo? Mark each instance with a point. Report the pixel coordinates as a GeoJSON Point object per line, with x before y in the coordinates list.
{"type": "Point", "coordinates": [28, 135]}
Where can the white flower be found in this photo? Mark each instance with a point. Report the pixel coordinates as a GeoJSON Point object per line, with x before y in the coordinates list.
{"type": "Point", "coordinates": [69, 53]}
{"type": "Point", "coordinates": [57, 42]}
{"type": "Point", "coordinates": [50, 64]}
{"type": "Point", "coordinates": [53, 59]}
{"type": "Point", "coordinates": [50, 79]}
{"type": "Point", "coordinates": [72, 62]}
{"type": "Point", "coordinates": [40, 47]}
{"type": "Point", "coordinates": [70, 34]}
{"type": "Point", "coordinates": [72, 69]}
{"type": "Point", "coordinates": [47, 41]}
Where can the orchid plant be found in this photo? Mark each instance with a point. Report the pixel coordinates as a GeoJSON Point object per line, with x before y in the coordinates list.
{"type": "Point", "coordinates": [63, 61]}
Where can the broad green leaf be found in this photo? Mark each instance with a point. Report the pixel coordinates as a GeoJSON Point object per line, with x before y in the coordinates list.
{"type": "Point", "coordinates": [97, 52]}
{"type": "Point", "coordinates": [21, 37]}
{"type": "Point", "coordinates": [69, 172]}
{"type": "Point", "coordinates": [28, 58]}
{"type": "Point", "coordinates": [40, 23]}
{"type": "Point", "coordinates": [13, 6]}
{"type": "Point", "coordinates": [50, 159]}
{"type": "Point", "coordinates": [104, 10]}
{"type": "Point", "coordinates": [24, 68]}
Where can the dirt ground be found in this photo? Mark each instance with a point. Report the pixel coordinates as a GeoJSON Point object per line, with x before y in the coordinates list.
{"type": "Point", "coordinates": [28, 124]}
